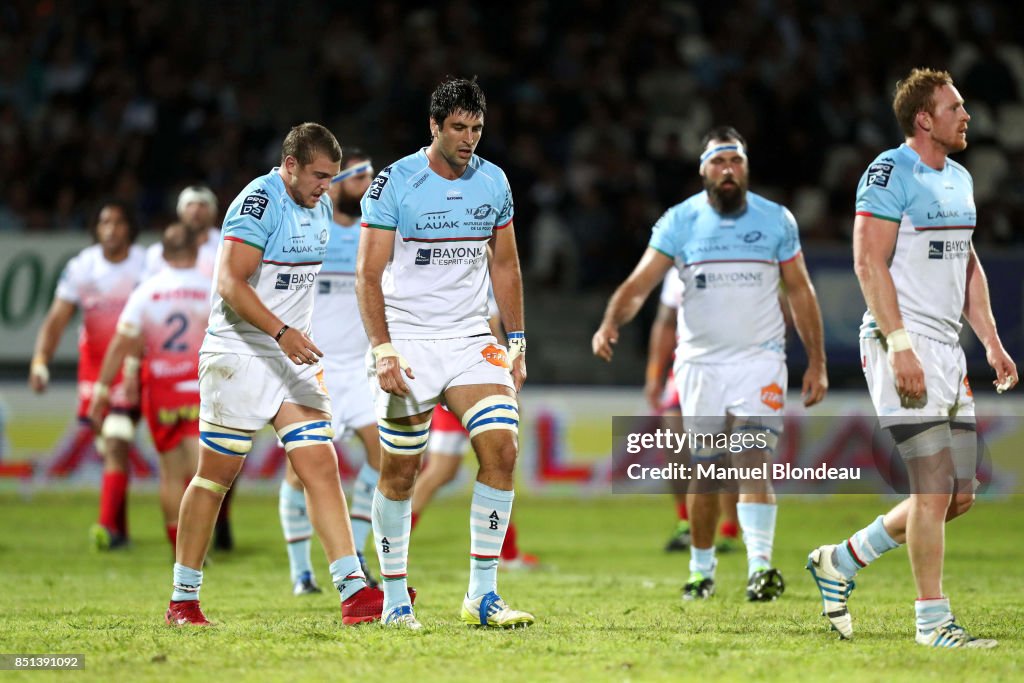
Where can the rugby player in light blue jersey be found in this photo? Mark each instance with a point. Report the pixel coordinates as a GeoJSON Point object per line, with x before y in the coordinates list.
{"type": "Point", "coordinates": [733, 249]}
{"type": "Point", "coordinates": [258, 364]}
{"type": "Point", "coordinates": [920, 274]}
{"type": "Point", "coordinates": [338, 331]}
{"type": "Point", "coordinates": [429, 221]}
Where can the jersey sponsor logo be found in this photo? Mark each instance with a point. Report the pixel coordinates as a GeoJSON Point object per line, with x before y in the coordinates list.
{"type": "Point", "coordinates": [771, 396]}
{"type": "Point", "coordinates": [436, 220]}
{"type": "Point", "coordinates": [734, 279]}
{"type": "Point", "coordinates": [255, 204]}
{"type": "Point", "coordinates": [190, 294]}
{"type": "Point", "coordinates": [172, 416]}
{"type": "Point", "coordinates": [323, 236]}
{"type": "Point", "coordinates": [295, 281]}
{"type": "Point", "coordinates": [377, 186]}
{"type": "Point", "coordinates": [481, 212]}
{"type": "Point", "coordinates": [449, 256]}
{"type": "Point", "coordinates": [752, 237]}
{"type": "Point", "coordinates": [453, 195]}
{"type": "Point", "coordinates": [949, 250]}
{"type": "Point", "coordinates": [879, 173]}
{"type": "Point", "coordinates": [495, 355]}
{"type": "Point", "coordinates": [419, 181]}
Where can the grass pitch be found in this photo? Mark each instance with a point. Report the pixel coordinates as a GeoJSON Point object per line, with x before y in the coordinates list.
{"type": "Point", "coordinates": [607, 604]}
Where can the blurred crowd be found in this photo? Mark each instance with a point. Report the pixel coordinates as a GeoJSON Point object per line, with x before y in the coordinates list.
{"type": "Point", "coordinates": [596, 107]}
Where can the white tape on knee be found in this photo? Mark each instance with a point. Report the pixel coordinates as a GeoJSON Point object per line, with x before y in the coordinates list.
{"type": "Point", "coordinates": [224, 440]}
{"type": "Point", "coordinates": [118, 426]}
{"type": "Point", "coordinates": [927, 443]}
{"type": "Point", "coordinates": [309, 433]}
{"type": "Point", "coordinates": [209, 485]}
{"type": "Point", "coordinates": [493, 412]}
{"type": "Point", "coordinates": [403, 439]}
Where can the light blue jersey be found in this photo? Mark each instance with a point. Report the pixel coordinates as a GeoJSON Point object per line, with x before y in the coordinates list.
{"type": "Point", "coordinates": [435, 286]}
{"type": "Point", "coordinates": [337, 326]}
{"type": "Point", "coordinates": [729, 266]}
{"type": "Point", "coordinates": [934, 214]}
{"type": "Point", "coordinates": [293, 240]}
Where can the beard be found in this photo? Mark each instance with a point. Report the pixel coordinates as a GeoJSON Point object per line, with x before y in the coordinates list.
{"type": "Point", "coordinates": [347, 206]}
{"type": "Point", "coordinates": [726, 200]}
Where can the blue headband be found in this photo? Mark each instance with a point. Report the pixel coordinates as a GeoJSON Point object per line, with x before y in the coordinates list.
{"type": "Point", "coordinates": [721, 148]}
{"type": "Point", "coordinates": [352, 171]}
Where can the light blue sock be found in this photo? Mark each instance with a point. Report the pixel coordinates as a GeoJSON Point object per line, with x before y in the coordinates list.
{"type": "Point", "coordinates": [297, 528]}
{"type": "Point", "coordinates": [702, 560]}
{"type": "Point", "coordinates": [488, 521]}
{"type": "Point", "coordinates": [757, 520]}
{"type": "Point", "coordinates": [392, 522]}
{"type": "Point", "coordinates": [863, 548]}
{"type": "Point", "coordinates": [361, 507]}
{"type": "Point", "coordinates": [932, 614]}
{"type": "Point", "coordinates": [187, 582]}
{"type": "Point", "coordinates": [347, 576]}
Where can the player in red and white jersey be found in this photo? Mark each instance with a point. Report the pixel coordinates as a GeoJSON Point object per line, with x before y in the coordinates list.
{"type": "Point", "coordinates": [165, 320]}
{"type": "Point", "coordinates": [197, 209]}
{"type": "Point", "coordinates": [98, 282]}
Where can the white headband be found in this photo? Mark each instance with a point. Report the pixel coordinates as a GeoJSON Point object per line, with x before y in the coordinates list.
{"type": "Point", "coordinates": [197, 193]}
{"type": "Point", "coordinates": [354, 170]}
{"type": "Point", "coordinates": [730, 147]}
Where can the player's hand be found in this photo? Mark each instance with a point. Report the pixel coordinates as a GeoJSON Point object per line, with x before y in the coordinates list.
{"type": "Point", "coordinates": [98, 407]}
{"type": "Point", "coordinates": [815, 385]}
{"type": "Point", "coordinates": [909, 374]}
{"type": "Point", "coordinates": [38, 376]}
{"type": "Point", "coordinates": [389, 375]}
{"type": "Point", "coordinates": [653, 389]}
{"type": "Point", "coordinates": [299, 348]}
{"type": "Point", "coordinates": [519, 371]}
{"type": "Point", "coordinates": [1006, 369]}
{"type": "Point", "coordinates": [604, 339]}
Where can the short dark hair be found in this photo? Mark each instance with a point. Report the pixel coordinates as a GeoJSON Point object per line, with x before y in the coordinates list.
{"type": "Point", "coordinates": [356, 154]}
{"type": "Point", "coordinates": [457, 94]}
{"type": "Point", "coordinates": [126, 211]}
{"type": "Point", "coordinates": [306, 140]}
{"type": "Point", "coordinates": [916, 93]}
{"type": "Point", "coordinates": [178, 242]}
{"type": "Point", "coordinates": [722, 133]}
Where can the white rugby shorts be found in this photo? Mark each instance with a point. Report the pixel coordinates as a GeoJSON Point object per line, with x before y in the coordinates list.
{"type": "Point", "coordinates": [438, 365]}
{"type": "Point", "coordinates": [948, 393]}
{"type": "Point", "coordinates": [246, 392]}
{"type": "Point", "coordinates": [710, 393]}
{"type": "Point", "coordinates": [351, 399]}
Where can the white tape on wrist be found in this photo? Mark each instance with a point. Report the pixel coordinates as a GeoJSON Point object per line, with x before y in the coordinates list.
{"type": "Point", "coordinates": [898, 340]}
{"type": "Point", "coordinates": [100, 390]}
{"type": "Point", "coordinates": [386, 350]}
{"type": "Point", "coordinates": [39, 369]}
{"type": "Point", "coordinates": [516, 345]}
{"type": "Point", "coordinates": [1004, 385]}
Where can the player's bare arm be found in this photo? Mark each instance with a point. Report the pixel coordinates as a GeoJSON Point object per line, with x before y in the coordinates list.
{"type": "Point", "coordinates": [238, 262]}
{"type": "Point", "coordinates": [375, 249]}
{"type": "Point", "coordinates": [659, 353]}
{"type": "Point", "coordinates": [627, 300]}
{"type": "Point", "coordinates": [803, 303]}
{"type": "Point", "coordinates": [57, 319]}
{"type": "Point", "coordinates": [978, 312]}
{"type": "Point", "coordinates": [873, 242]}
{"type": "Point", "coordinates": [507, 281]}
{"type": "Point", "coordinates": [124, 342]}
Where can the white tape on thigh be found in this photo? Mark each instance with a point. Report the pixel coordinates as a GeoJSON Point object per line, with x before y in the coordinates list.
{"type": "Point", "coordinates": [965, 453]}
{"type": "Point", "coordinates": [927, 443]}
{"type": "Point", "coordinates": [224, 440]}
{"type": "Point", "coordinates": [493, 412]}
{"type": "Point", "coordinates": [118, 426]}
{"type": "Point", "coordinates": [308, 433]}
{"type": "Point", "coordinates": [403, 439]}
